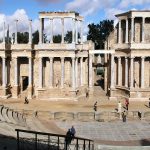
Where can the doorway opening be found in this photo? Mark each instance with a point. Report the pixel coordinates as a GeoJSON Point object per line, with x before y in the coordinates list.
{"type": "Point", "coordinates": [25, 80]}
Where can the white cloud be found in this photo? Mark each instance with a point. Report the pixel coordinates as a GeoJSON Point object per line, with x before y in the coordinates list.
{"type": "Point", "coordinates": [87, 7]}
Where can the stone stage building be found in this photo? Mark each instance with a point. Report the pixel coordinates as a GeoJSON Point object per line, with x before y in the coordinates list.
{"type": "Point", "coordinates": [47, 70]}
{"type": "Point", "coordinates": [127, 73]}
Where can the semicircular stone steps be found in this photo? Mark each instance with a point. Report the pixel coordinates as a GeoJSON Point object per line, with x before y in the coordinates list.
{"type": "Point", "coordinates": [4, 114]}
{"type": "Point", "coordinates": [10, 116]}
{"type": "Point", "coordinates": [1, 116]}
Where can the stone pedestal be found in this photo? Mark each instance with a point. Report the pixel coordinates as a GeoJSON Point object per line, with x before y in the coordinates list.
{"type": "Point", "coordinates": [15, 91]}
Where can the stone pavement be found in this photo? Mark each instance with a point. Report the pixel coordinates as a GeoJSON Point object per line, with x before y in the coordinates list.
{"type": "Point", "coordinates": [130, 133]}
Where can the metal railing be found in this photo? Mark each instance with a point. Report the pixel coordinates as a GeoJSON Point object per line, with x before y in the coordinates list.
{"type": "Point", "coordinates": [32, 140]}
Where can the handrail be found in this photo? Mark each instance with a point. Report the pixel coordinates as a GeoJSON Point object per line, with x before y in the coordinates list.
{"type": "Point", "coordinates": [37, 143]}
{"type": "Point", "coordinates": [50, 134]}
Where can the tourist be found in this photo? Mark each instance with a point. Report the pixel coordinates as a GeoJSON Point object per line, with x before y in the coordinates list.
{"type": "Point", "coordinates": [126, 103]}
{"type": "Point", "coordinates": [119, 108]}
{"type": "Point", "coordinates": [139, 115]}
{"type": "Point", "coordinates": [95, 106]}
{"type": "Point", "coordinates": [73, 132]}
{"type": "Point", "coordinates": [124, 116]}
{"type": "Point", "coordinates": [26, 101]}
{"type": "Point", "coordinates": [68, 138]}
{"type": "Point", "coordinates": [149, 103]}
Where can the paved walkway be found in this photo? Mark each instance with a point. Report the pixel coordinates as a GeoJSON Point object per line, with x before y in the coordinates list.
{"type": "Point", "coordinates": [112, 133]}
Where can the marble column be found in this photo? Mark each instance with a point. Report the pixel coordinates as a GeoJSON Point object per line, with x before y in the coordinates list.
{"type": "Point", "coordinates": [30, 71]}
{"type": "Point", "coordinates": [76, 65]}
{"type": "Point", "coordinates": [119, 34]}
{"type": "Point", "coordinates": [16, 30]}
{"type": "Point", "coordinates": [62, 71]}
{"type": "Point", "coordinates": [73, 30]}
{"type": "Point", "coordinates": [16, 71]}
{"type": "Point", "coordinates": [81, 31]}
{"type": "Point", "coordinates": [76, 31]}
{"type": "Point", "coordinates": [131, 72]}
{"type": "Point", "coordinates": [119, 71]}
{"type": "Point", "coordinates": [112, 71]}
{"type": "Point", "coordinates": [142, 71]}
{"type": "Point", "coordinates": [51, 30]}
{"type": "Point", "coordinates": [41, 31]}
{"type": "Point", "coordinates": [4, 71]}
{"type": "Point", "coordinates": [90, 71]}
{"type": "Point", "coordinates": [40, 72]}
{"type": "Point", "coordinates": [127, 30]}
{"type": "Point", "coordinates": [126, 72]}
{"type": "Point", "coordinates": [62, 35]}
{"type": "Point", "coordinates": [143, 30]}
{"type": "Point", "coordinates": [4, 32]}
{"type": "Point", "coordinates": [81, 71]}
{"type": "Point", "coordinates": [30, 32]}
{"type": "Point", "coordinates": [132, 30]}
{"type": "Point", "coordinates": [73, 73]}
{"type": "Point", "coordinates": [51, 72]}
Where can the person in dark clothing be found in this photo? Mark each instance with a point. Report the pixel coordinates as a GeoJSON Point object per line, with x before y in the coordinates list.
{"type": "Point", "coordinates": [68, 138]}
{"type": "Point", "coordinates": [95, 106]}
{"type": "Point", "coordinates": [124, 116]}
{"type": "Point", "coordinates": [26, 101]}
{"type": "Point", "coordinates": [127, 104]}
{"type": "Point", "coordinates": [73, 132]}
{"type": "Point", "coordinates": [149, 103]}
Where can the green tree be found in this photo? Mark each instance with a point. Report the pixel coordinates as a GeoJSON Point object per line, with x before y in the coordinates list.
{"type": "Point", "coordinates": [99, 32]}
{"type": "Point", "coordinates": [68, 37]}
{"type": "Point", "coordinates": [57, 38]}
{"type": "Point", "coordinates": [35, 37]}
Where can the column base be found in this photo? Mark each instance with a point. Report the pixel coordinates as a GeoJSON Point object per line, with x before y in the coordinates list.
{"type": "Point", "coordinates": [91, 91]}
{"type": "Point", "coordinates": [15, 91]}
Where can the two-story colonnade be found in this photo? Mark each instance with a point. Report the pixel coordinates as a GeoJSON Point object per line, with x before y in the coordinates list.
{"type": "Point", "coordinates": [47, 70]}
{"type": "Point", "coordinates": [128, 69]}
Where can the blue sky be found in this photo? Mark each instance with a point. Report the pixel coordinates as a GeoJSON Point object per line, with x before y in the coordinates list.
{"type": "Point", "coordinates": [92, 10]}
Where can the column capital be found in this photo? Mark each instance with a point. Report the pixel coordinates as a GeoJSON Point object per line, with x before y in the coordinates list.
{"type": "Point", "coordinates": [132, 57]}
{"type": "Point", "coordinates": [62, 58]}
{"type": "Point", "coordinates": [143, 57]}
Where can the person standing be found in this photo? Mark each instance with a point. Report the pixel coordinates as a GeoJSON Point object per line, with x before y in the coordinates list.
{"type": "Point", "coordinates": [127, 104]}
{"type": "Point", "coordinates": [73, 132]}
{"type": "Point", "coordinates": [119, 108]}
{"type": "Point", "coordinates": [95, 106]}
{"type": "Point", "coordinates": [124, 116]}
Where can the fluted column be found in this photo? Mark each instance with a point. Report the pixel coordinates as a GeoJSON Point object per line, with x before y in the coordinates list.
{"type": "Point", "coordinates": [16, 71]}
{"type": "Point", "coordinates": [142, 71]}
{"type": "Point", "coordinates": [40, 72]}
{"type": "Point", "coordinates": [76, 31]}
{"type": "Point", "coordinates": [132, 30]}
{"type": "Point", "coordinates": [81, 31]}
{"type": "Point", "coordinates": [62, 36]}
{"type": "Point", "coordinates": [126, 72]}
{"type": "Point", "coordinates": [119, 34]}
{"type": "Point", "coordinates": [76, 65]}
{"type": "Point", "coordinates": [51, 30]}
{"type": "Point", "coordinates": [73, 73]}
{"type": "Point", "coordinates": [30, 71]}
{"type": "Point", "coordinates": [119, 70]}
{"type": "Point", "coordinates": [81, 71]}
{"type": "Point", "coordinates": [112, 71]}
{"type": "Point", "coordinates": [62, 72]}
{"type": "Point", "coordinates": [143, 29]}
{"type": "Point", "coordinates": [90, 71]}
{"type": "Point", "coordinates": [51, 72]}
{"type": "Point", "coordinates": [16, 30]}
{"type": "Point", "coordinates": [4, 71]}
{"type": "Point", "coordinates": [4, 32]}
{"type": "Point", "coordinates": [41, 31]}
{"type": "Point", "coordinates": [127, 30]}
{"type": "Point", "coordinates": [131, 72]}
{"type": "Point", "coordinates": [73, 30]}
